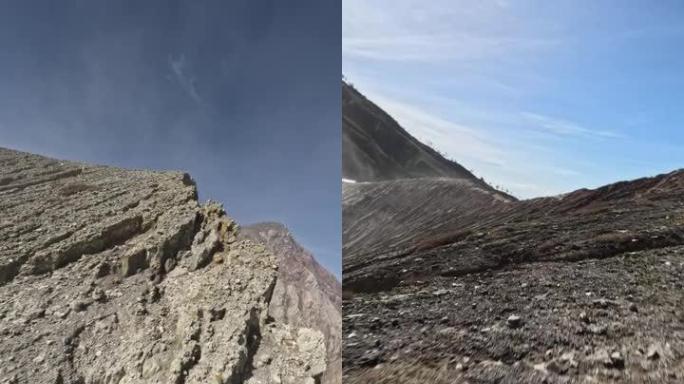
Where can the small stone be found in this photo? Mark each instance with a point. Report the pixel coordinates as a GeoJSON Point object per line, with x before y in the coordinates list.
{"type": "Point", "coordinates": [370, 358]}
{"type": "Point", "coordinates": [583, 317]}
{"type": "Point", "coordinates": [102, 269]}
{"type": "Point", "coordinates": [633, 307]}
{"type": "Point", "coordinates": [99, 295]}
{"type": "Point", "coordinates": [557, 367]}
{"type": "Point", "coordinates": [652, 353]}
{"type": "Point", "coordinates": [79, 305]}
{"type": "Point", "coordinates": [169, 264]}
{"type": "Point", "coordinates": [598, 329]}
{"type": "Point", "coordinates": [216, 313]}
{"type": "Point", "coordinates": [62, 314]}
{"type": "Point", "coordinates": [155, 294]}
{"type": "Point", "coordinates": [514, 321]}
{"type": "Point", "coordinates": [601, 356]}
{"type": "Point", "coordinates": [617, 359]}
{"type": "Point", "coordinates": [264, 360]}
{"type": "Point", "coordinates": [39, 359]}
{"type": "Point", "coordinates": [140, 310]}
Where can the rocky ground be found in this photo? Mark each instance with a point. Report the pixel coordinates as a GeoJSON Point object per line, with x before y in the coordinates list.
{"type": "Point", "coordinates": [119, 276]}
{"type": "Point", "coordinates": [619, 319]}
{"type": "Point", "coordinates": [585, 287]}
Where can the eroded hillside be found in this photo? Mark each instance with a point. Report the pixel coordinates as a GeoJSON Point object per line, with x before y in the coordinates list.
{"type": "Point", "coordinates": [120, 276]}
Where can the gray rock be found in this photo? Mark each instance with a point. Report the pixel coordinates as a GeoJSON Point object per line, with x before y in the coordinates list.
{"type": "Point", "coordinates": [116, 237]}
{"type": "Point", "coordinates": [514, 321]}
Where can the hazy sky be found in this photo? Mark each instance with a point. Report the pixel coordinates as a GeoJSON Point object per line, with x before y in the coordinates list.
{"type": "Point", "coordinates": [540, 97]}
{"type": "Point", "coordinates": [245, 95]}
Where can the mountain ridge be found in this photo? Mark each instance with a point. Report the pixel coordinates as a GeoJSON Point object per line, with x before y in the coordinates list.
{"type": "Point", "coordinates": [121, 276]}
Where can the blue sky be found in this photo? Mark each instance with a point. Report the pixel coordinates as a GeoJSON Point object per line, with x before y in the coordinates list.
{"type": "Point", "coordinates": [244, 95]}
{"type": "Point", "coordinates": [539, 97]}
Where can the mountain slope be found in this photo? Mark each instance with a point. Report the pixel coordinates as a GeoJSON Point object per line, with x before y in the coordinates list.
{"type": "Point", "coordinates": [306, 294]}
{"type": "Point", "coordinates": [403, 190]}
{"type": "Point", "coordinates": [376, 147]}
{"type": "Point", "coordinates": [110, 275]}
{"type": "Point", "coordinates": [450, 284]}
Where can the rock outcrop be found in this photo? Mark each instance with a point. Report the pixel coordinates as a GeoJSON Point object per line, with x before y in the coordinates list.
{"type": "Point", "coordinates": [446, 284]}
{"type": "Point", "coordinates": [120, 276]}
{"type": "Point", "coordinates": [305, 294]}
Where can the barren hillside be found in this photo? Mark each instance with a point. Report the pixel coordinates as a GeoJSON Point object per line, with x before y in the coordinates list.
{"type": "Point", "coordinates": [450, 285]}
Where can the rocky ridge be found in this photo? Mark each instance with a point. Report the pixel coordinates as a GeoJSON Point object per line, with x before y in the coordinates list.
{"type": "Point", "coordinates": [305, 294]}
{"type": "Point", "coordinates": [120, 276]}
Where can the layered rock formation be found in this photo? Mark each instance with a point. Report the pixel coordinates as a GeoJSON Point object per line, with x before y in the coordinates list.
{"type": "Point", "coordinates": [305, 294]}
{"type": "Point", "coordinates": [459, 284]}
{"type": "Point", "coordinates": [120, 276]}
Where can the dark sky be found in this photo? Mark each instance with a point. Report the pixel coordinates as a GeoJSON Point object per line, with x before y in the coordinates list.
{"type": "Point", "coordinates": [244, 95]}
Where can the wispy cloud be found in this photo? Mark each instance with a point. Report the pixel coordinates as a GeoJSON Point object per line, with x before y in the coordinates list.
{"type": "Point", "coordinates": [432, 48]}
{"type": "Point", "coordinates": [563, 127]}
{"type": "Point", "coordinates": [185, 79]}
{"type": "Point", "coordinates": [435, 31]}
{"type": "Point", "coordinates": [447, 136]}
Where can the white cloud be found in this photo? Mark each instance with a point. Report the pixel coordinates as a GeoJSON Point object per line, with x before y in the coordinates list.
{"type": "Point", "coordinates": [184, 78]}
{"type": "Point", "coordinates": [563, 127]}
{"type": "Point", "coordinates": [435, 31]}
{"type": "Point", "coordinates": [445, 135]}
{"type": "Point", "coordinates": [432, 48]}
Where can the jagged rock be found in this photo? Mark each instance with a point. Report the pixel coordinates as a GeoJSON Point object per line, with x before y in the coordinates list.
{"type": "Point", "coordinates": [145, 303]}
{"type": "Point", "coordinates": [305, 295]}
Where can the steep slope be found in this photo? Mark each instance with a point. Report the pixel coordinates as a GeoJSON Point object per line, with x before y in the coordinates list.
{"type": "Point", "coordinates": [376, 147]}
{"type": "Point", "coordinates": [306, 294]}
{"type": "Point", "coordinates": [120, 276]}
{"type": "Point", "coordinates": [446, 284]}
{"type": "Point", "coordinates": [402, 191]}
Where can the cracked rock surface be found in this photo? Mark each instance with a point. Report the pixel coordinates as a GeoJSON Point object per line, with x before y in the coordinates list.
{"type": "Point", "coordinates": [120, 276]}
